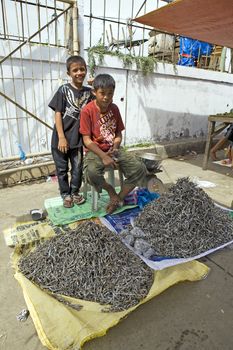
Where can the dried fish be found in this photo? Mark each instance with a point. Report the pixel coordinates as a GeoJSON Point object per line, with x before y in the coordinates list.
{"type": "Point", "coordinates": [89, 263]}
{"type": "Point", "coordinates": [184, 222]}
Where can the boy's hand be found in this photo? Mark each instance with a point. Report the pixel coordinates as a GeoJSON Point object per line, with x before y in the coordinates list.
{"type": "Point", "coordinates": [108, 161]}
{"type": "Point", "coordinates": [113, 153]}
{"type": "Point", "coordinates": [63, 145]}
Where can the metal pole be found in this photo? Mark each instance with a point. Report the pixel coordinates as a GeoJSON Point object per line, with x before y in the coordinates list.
{"type": "Point", "coordinates": [71, 2]}
{"type": "Point", "coordinates": [32, 36]}
{"type": "Point", "coordinates": [124, 23]}
{"type": "Point", "coordinates": [24, 95]}
{"type": "Point", "coordinates": [118, 26]}
{"type": "Point", "coordinates": [3, 20]}
{"type": "Point", "coordinates": [104, 22]}
{"type": "Point", "coordinates": [41, 5]}
{"type": "Point", "coordinates": [16, 129]}
{"type": "Point", "coordinates": [90, 24]}
{"type": "Point", "coordinates": [24, 109]}
{"type": "Point", "coordinates": [126, 103]}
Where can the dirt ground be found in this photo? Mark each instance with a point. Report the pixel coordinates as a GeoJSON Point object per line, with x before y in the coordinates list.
{"type": "Point", "coordinates": [195, 315]}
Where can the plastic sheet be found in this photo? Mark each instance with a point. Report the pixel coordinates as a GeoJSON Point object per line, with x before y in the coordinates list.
{"type": "Point", "coordinates": [191, 50]}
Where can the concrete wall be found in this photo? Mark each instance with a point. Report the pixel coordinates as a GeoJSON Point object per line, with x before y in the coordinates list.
{"type": "Point", "coordinates": [172, 102]}
{"type": "Point", "coordinates": [169, 103]}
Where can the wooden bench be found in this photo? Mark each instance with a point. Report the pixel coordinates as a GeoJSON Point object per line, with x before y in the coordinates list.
{"type": "Point", "coordinates": [224, 121]}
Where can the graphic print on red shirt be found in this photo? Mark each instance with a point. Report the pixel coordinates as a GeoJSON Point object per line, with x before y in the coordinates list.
{"type": "Point", "coordinates": [102, 128]}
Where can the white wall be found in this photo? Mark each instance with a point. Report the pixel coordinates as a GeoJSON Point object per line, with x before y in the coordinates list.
{"type": "Point", "coordinates": [31, 82]}
{"type": "Point", "coordinates": [170, 103]}
{"type": "Point", "coordinates": [167, 104]}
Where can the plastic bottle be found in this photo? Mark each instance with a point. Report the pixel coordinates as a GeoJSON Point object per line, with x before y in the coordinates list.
{"type": "Point", "coordinates": [22, 154]}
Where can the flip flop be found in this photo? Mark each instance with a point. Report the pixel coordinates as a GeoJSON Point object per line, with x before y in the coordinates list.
{"type": "Point", "coordinates": [68, 202]}
{"type": "Point", "coordinates": [78, 199]}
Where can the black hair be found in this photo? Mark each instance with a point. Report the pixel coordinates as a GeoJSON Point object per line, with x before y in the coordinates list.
{"type": "Point", "coordinates": [75, 59]}
{"type": "Point", "coordinates": [103, 81]}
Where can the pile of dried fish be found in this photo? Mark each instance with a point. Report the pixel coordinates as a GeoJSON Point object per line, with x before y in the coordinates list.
{"type": "Point", "coordinates": [183, 222]}
{"type": "Point", "coordinates": [89, 263]}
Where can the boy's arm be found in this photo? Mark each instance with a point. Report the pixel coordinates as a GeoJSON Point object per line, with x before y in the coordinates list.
{"type": "Point", "coordinates": [117, 141]}
{"type": "Point", "coordinates": [106, 159]}
{"type": "Point", "coordinates": [113, 152]}
{"type": "Point", "coordinates": [118, 136]}
{"type": "Point", "coordinates": [63, 145]}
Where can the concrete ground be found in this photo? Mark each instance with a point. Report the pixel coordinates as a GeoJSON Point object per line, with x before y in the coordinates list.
{"type": "Point", "coordinates": [188, 316]}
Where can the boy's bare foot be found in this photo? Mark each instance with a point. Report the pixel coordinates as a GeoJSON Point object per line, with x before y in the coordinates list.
{"type": "Point", "coordinates": [213, 155]}
{"type": "Point", "coordinates": [113, 204]}
{"type": "Point", "coordinates": [226, 161]}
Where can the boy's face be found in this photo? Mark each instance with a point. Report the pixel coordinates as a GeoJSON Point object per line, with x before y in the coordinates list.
{"type": "Point", "coordinates": [104, 98]}
{"type": "Point", "coordinates": [77, 72]}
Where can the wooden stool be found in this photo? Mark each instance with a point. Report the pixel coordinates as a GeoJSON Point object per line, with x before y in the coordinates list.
{"type": "Point", "coordinates": [111, 180]}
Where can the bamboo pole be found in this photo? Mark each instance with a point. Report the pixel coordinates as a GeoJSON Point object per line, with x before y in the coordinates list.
{"type": "Point", "coordinates": [223, 59]}
{"type": "Point", "coordinates": [26, 167]}
{"type": "Point", "coordinates": [29, 155]}
{"type": "Point", "coordinates": [75, 29]}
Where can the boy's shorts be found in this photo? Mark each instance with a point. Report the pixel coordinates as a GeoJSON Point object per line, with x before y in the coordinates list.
{"type": "Point", "coordinates": [133, 169]}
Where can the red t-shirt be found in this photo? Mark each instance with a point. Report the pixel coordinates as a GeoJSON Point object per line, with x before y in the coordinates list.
{"type": "Point", "coordinates": [101, 128]}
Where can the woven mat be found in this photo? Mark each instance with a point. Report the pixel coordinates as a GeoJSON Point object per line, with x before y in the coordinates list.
{"type": "Point", "coordinates": [61, 216]}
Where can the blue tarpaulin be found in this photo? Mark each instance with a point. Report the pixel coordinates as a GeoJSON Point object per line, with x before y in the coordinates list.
{"type": "Point", "coordinates": [191, 50]}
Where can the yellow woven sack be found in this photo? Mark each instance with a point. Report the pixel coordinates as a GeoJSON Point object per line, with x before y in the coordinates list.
{"type": "Point", "coordinates": [61, 327]}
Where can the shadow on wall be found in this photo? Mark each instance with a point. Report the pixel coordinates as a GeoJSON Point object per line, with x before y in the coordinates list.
{"type": "Point", "coordinates": [168, 126]}
{"type": "Point", "coordinates": [159, 124]}
{"type": "Point", "coordinates": [165, 126]}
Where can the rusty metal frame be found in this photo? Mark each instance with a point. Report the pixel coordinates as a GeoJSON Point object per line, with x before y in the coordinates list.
{"type": "Point", "coordinates": [18, 48]}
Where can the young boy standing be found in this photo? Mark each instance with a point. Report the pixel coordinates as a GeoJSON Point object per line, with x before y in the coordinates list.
{"type": "Point", "coordinates": [66, 139]}
{"type": "Point", "coordinates": [101, 126]}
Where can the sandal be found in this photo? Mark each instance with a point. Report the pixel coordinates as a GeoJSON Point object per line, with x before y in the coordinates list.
{"type": "Point", "coordinates": [78, 199]}
{"type": "Point", "coordinates": [68, 202]}
{"type": "Point", "coordinates": [226, 161]}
